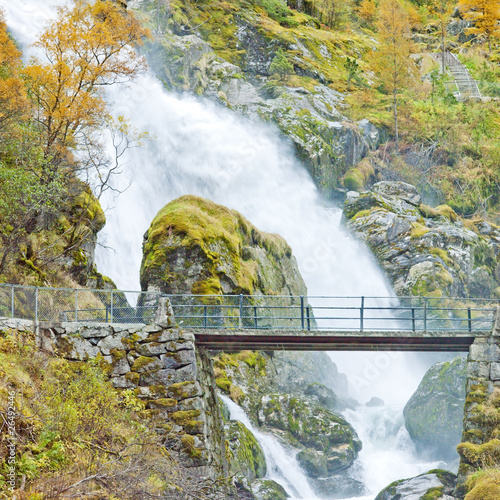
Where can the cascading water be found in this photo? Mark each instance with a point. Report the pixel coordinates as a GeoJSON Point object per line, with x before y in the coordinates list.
{"type": "Point", "coordinates": [282, 466]}
{"type": "Point", "coordinates": [196, 147]}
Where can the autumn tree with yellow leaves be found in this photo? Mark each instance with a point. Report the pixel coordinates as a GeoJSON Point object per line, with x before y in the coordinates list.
{"type": "Point", "coordinates": [88, 47]}
{"type": "Point", "coordinates": [485, 17]}
{"type": "Point", "coordinates": [392, 64]}
{"type": "Point", "coordinates": [52, 112]}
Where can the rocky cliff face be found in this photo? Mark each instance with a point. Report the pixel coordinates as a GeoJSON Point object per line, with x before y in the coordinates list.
{"type": "Point", "coordinates": [434, 414]}
{"type": "Point", "coordinates": [425, 251]}
{"type": "Point", "coordinates": [225, 52]}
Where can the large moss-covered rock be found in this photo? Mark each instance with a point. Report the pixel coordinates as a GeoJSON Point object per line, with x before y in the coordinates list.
{"type": "Point", "coordinates": [424, 250]}
{"type": "Point", "coordinates": [224, 51]}
{"type": "Point", "coordinates": [433, 485]}
{"type": "Point", "coordinates": [313, 427]}
{"type": "Point", "coordinates": [434, 414]}
{"type": "Point", "coordinates": [246, 455]}
{"type": "Point", "coordinates": [195, 246]}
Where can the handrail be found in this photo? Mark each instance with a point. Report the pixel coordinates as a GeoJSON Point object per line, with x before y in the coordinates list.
{"type": "Point", "coordinates": [267, 312]}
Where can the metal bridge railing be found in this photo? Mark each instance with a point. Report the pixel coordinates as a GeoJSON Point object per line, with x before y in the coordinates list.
{"type": "Point", "coordinates": [269, 312]}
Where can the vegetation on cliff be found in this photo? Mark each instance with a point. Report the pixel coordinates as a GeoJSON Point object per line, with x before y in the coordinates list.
{"type": "Point", "coordinates": [73, 433]}
{"type": "Point", "coordinates": [52, 112]}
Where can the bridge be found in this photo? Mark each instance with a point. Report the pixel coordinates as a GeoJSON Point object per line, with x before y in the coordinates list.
{"type": "Point", "coordinates": [240, 322]}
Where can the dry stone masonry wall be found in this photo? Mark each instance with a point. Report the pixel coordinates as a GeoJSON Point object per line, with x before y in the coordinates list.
{"type": "Point", "coordinates": [162, 365]}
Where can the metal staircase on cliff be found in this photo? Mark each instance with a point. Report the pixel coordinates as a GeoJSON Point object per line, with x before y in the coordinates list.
{"type": "Point", "coordinates": [466, 86]}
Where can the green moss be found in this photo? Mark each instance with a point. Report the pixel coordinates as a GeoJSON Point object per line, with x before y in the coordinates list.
{"type": "Point", "coordinates": [483, 485]}
{"type": "Point", "coordinates": [187, 420]}
{"type": "Point", "coordinates": [433, 493]}
{"type": "Point", "coordinates": [217, 233]}
{"type": "Point", "coordinates": [418, 230]}
{"type": "Point", "coordinates": [88, 205]}
{"type": "Point", "coordinates": [189, 445]}
{"type": "Point", "coordinates": [133, 377]}
{"type": "Point", "coordinates": [481, 455]}
{"type": "Point", "coordinates": [358, 177]}
{"type": "Point", "coordinates": [142, 362]}
{"type": "Point", "coordinates": [166, 403]}
{"type": "Point", "coordinates": [183, 390]}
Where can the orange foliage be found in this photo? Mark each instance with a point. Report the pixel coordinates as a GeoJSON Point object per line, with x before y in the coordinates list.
{"type": "Point", "coordinates": [367, 11]}
{"type": "Point", "coordinates": [12, 95]}
{"type": "Point", "coordinates": [87, 47]}
{"type": "Point", "coordinates": [485, 16]}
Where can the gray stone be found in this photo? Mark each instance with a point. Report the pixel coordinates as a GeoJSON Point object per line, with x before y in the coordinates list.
{"type": "Point", "coordinates": [87, 333]}
{"type": "Point", "coordinates": [178, 359]}
{"type": "Point", "coordinates": [168, 376]}
{"type": "Point", "coordinates": [164, 315]}
{"type": "Point", "coordinates": [495, 371]}
{"type": "Point", "coordinates": [112, 342]}
{"type": "Point", "coordinates": [81, 349]}
{"type": "Point", "coordinates": [417, 487]}
{"type": "Point", "coordinates": [121, 367]}
{"type": "Point", "coordinates": [122, 383]}
{"type": "Point", "coordinates": [478, 369]}
{"type": "Point", "coordinates": [151, 349]}
{"type": "Point", "coordinates": [434, 414]}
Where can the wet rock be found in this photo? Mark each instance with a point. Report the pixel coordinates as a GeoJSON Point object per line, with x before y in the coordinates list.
{"type": "Point", "coordinates": [436, 484]}
{"type": "Point", "coordinates": [424, 251]}
{"type": "Point", "coordinates": [434, 414]}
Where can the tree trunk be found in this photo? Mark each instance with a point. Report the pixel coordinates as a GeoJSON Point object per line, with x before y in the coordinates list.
{"type": "Point", "coordinates": [396, 119]}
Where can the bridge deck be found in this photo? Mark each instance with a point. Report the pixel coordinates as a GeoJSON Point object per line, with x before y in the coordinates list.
{"type": "Point", "coordinates": [299, 340]}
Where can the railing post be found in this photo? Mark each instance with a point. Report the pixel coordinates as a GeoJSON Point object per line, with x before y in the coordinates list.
{"type": "Point", "coordinates": [361, 314]}
{"type": "Point", "coordinates": [469, 317]}
{"type": "Point", "coordinates": [36, 304]}
{"type": "Point", "coordinates": [241, 311]}
{"type": "Point", "coordinates": [302, 312]}
{"type": "Point", "coordinates": [111, 307]}
{"type": "Point", "coordinates": [205, 318]}
{"type": "Point", "coordinates": [308, 318]}
{"type": "Point", "coordinates": [413, 318]}
{"type": "Point", "coordinates": [76, 305]}
{"type": "Point", "coordinates": [12, 301]}
{"type": "Point", "coordinates": [255, 317]}
{"type": "Point", "coordinates": [425, 314]}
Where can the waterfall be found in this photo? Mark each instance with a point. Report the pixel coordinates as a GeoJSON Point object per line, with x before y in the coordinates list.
{"type": "Point", "coordinates": [197, 147]}
{"type": "Point", "coordinates": [282, 466]}
{"type": "Point", "coordinates": [388, 453]}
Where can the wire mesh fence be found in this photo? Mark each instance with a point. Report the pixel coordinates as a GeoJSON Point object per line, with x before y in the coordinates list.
{"type": "Point", "coordinates": [263, 312]}
{"type": "Point", "coordinates": [77, 305]}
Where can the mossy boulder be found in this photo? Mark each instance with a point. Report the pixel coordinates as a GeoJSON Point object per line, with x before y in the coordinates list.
{"type": "Point", "coordinates": [267, 489]}
{"type": "Point", "coordinates": [195, 246]}
{"type": "Point", "coordinates": [425, 251]}
{"type": "Point", "coordinates": [312, 427]}
{"type": "Point", "coordinates": [434, 414]}
{"type": "Point", "coordinates": [433, 485]}
{"type": "Point", "coordinates": [246, 455]}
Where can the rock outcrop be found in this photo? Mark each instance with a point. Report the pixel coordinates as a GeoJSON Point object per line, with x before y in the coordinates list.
{"type": "Point", "coordinates": [195, 246]}
{"type": "Point", "coordinates": [425, 251]}
{"type": "Point", "coordinates": [434, 414]}
{"type": "Point", "coordinates": [290, 395]}
{"type": "Point", "coordinates": [434, 485]}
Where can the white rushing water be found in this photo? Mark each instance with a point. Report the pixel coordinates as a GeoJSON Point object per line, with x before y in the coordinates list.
{"type": "Point", "coordinates": [196, 147]}
{"type": "Point", "coordinates": [282, 466]}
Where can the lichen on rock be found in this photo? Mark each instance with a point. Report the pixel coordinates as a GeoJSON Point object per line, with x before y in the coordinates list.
{"type": "Point", "coordinates": [195, 246]}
